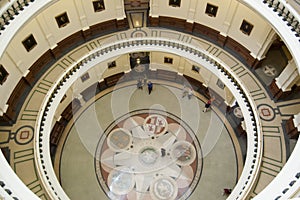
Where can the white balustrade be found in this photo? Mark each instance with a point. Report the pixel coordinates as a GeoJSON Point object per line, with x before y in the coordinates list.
{"type": "Point", "coordinates": [111, 50]}
{"type": "Point", "coordinates": [12, 183]}
{"type": "Point", "coordinates": [283, 18]}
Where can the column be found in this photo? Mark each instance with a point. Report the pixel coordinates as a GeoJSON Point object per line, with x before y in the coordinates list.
{"type": "Point", "coordinates": [265, 46]}
{"type": "Point", "coordinates": [154, 8]}
{"type": "Point", "coordinates": [288, 77]}
{"type": "Point", "coordinates": [46, 31]}
{"type": "Point", "coordinates": [3, 110]}
{"type": "Point", "coordinates": [181, 65]}
{"type": "Point", "coordinates": [229, 98]}
{"type": "Point", "coordinates": [16, 59]}
{"type": "Point", "coordinates": [120, 10]}
{"type": "Point", "coordinates": [7, 59]}
{"type": "Point", "coordinates": [227, 22]}
{"type": "Point", "coordinates": [152, 66]}
{"type": "Point", "coordinates": [189, 25]}
{"type": "Point", "coordinates": [191, 12]}
{"type": "Point", "coordinates": [296, 121]}
{"type": "Point", "coordinates": [154, 13]}
{"type": "Point", "coordinates": [229, 16]}
{"type": "Point", "coordinates": [75, 93]}
{"type": "Point", "coordinates": [81, 13]}
{"type": "Point", "coordinates": [80, 98]}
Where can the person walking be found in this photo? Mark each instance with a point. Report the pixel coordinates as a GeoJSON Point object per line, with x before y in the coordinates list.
{"type": "Point", "coordinates": [190, 93]}
{"type": "Point", "coordinates": [184, 91]}
{"type": "Point", "coordinates": [208, 104]}
{"type": "Point", "coordinates": [226, 191]}
{"type": "Point", "coordinates": [145, 80]}
{"type": "Point", "coordinates": [150, 87]}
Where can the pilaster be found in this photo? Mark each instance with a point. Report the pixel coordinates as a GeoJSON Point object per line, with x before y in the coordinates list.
{"type": "Point", "coordinates": [288, 77]}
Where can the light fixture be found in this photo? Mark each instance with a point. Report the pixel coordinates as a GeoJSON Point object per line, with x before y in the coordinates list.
{"type": "Point", "coordinates": [137, 19]}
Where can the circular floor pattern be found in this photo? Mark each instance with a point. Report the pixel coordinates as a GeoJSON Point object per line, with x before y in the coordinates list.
{"type": "Point", "coordinates": [81, 176]}
{"type": "Point", "coordinates": [148, 154]}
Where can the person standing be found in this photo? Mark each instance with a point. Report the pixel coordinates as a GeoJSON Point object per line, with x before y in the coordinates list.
{"type": "Point", "coordinates": [150, 87]}
{"type": "Point", "coordinates": [184, 91]}
{"type": "Point", "coordinates": [208, 104]}
{"type": "Point", "coordinates": [190, 93]}
{"type": "Point", "coordinates": [226, 191]}
{"type": "Point", "coordinates": [139, 84]}
{"type": "Point", "coordinates": [145, 80]}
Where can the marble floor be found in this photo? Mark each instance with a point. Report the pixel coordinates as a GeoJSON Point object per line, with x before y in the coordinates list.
{"type": "Point", "coordinates": [136, 167]}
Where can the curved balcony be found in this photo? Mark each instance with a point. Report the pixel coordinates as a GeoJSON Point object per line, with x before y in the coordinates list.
{"type": "Point", "coordinates": [11, 187]}
{"type": "Point", "coordinates": [287, 27]}
{"type": "Point", "coordinates": [110, 50]}
{"type": "Point", "coordinates": [285, 20]}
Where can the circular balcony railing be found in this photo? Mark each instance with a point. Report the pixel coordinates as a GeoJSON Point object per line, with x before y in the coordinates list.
{"type": "Point", "coordinates": [53, 97]}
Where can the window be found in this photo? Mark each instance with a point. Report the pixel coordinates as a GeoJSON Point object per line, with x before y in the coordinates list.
{"type": "Point", "coordinates": [220, 84]}
{"type": "Point", "coordinates": [195, 68]}
{"type": "Point", "coordinates": [3, 74]}
{"type": "Point", "coordinates": [85, 77]}
{"type": "Point", "coordinates": [174, 3]}
{"type": "Point", "coordinates": [246, 27]}
{"type": "Point", "coordinates": [211, 10]}
{"type": "Point", "coordinates": [29, 43]}
{"type": "Point", "coordinates": [168, 60]}
{"type": "Point", "coordinates": [111, 64]}
{"type": "Point", "coordinates": [62, 20]}
{"type": "Point", "coordinates": [64, 97]}
{"type": "Point", "coordinates": [98, 5]}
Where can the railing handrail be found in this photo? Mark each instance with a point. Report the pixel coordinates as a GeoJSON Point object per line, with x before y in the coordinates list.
{"type": "Point", "coordinates": [45, 118]}
{"type": "Point", "coordinates": [5, 7]}
{"type": "Point", "coordinates": [10, 181]}
{"type": "Point", "coordinates": [287, 182]}
{"type": "Point", "coordinates": [10, 10]}
{"type": "Point", "coordinates": [290, 42]}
